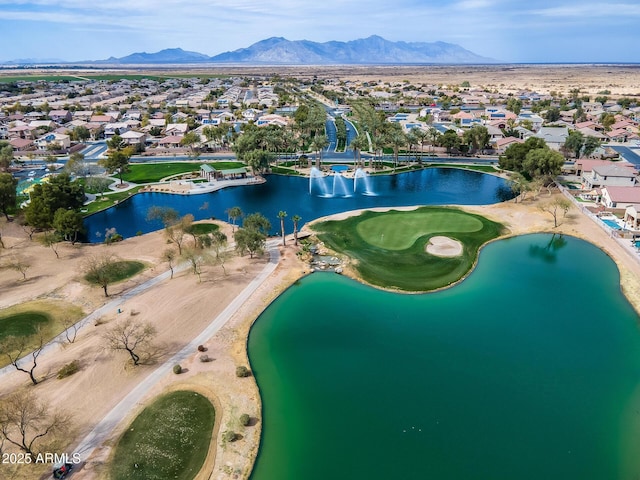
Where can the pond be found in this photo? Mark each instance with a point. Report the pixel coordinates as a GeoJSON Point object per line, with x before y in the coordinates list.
{"type": "Point", "coordinates": [299, 196]}
{"type": "Point", "coordinates": [510, 374]}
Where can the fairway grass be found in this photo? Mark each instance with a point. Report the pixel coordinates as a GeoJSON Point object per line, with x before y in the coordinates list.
{"type": "Point", "coordinates": [169, 439]}
{"type": "Point", "coordinates": [388, 248]}
{"type": "Point", "coordinates": [122, 270]}
{"type": "Point", "coordinates": [26, 319]}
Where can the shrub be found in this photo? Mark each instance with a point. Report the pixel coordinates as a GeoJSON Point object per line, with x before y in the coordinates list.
{"type": "Point", "coordinates": [204, 358]}
{"type": "Point", "coordinates": [245, 419]}
{"type": "Point", "coordinates": [177, 369]}
{"type": "Point", "coordinates": [242, 371]}
{"type": "Point", "coordinates": [202, 348]}
{"type": "Point", "coordinates": [229, 436]}
{"type": "Point", "coordinates": [69, 369]}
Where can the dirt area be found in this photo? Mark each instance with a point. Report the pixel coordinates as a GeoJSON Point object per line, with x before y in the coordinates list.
{"type": "Point", "coordinates": [620, 80]}
{"type": "Point", "coordinates": [180, 308]}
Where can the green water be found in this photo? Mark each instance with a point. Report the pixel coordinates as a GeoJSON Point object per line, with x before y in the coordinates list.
{"type": "Point", "coordinates": [526, 370]}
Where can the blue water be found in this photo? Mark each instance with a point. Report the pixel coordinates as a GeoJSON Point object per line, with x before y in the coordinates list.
{"type": "Point", "coordinates": [610, 223]}
{"type": "Point", "coordinates": [339, 168]}
{"type": "Point", "coordinates": [434, 186]}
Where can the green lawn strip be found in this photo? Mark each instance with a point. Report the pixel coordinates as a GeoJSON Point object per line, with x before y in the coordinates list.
{"type": "Point", "coordinates": [25, 320]}
{"type": "Point", "coordinates": [477, 168]}
{"type": "Point", "coordinates": [284, 171]}
{"type": "Point", "coordinates": [400, 261]}
{"type": "Point", "coordinates": [108, 200]}
{"type": "Point", "coordinates": [204, 228]}
{"type": "Point", "coordinates": [169, 439]}
{"type": "Point", "coordinates": [123, 269]}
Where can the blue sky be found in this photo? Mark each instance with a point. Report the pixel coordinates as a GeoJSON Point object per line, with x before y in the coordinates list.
{"type": "Point", "coordinates": [508, 30]}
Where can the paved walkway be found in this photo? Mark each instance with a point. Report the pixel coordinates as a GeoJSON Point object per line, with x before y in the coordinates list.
{"type": "Point", "coordinates": [104, 428]}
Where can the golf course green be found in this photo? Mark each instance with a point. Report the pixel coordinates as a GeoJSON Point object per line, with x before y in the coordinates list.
{"type": "Point", "coordinates": [388, 249]}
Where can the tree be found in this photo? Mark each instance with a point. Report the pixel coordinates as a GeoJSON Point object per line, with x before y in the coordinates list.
{"type": "Point", "coordinates": [19, 264]}
{"type": "Point", "coordinates": [249, 240]}
{"type": "Point", "coordinates": [47, 198]}
{"type": "Point", "coordinates": [196, 259]}
{"type": "Point", "coordinates": [68, 224]}
{"type": "Point", "coordinates": [130, 336]}
{"type": "Point", "coordinates": [103, 270]}
{"type": "Point", "coordinates": [169, 256]}
{"type": "Point", "coordinates": [477, 137]}
{"type": "Point", "coordinates": [552, 115]}
{"type": "Point", "coordinates": [282, 215]}
{"type": "Point", "coordinates": [116, 161]}
{"type": "Point", "coordinates": [554, 208]}
{"type": "Point", "coordinates": [450, 140]}
{"type": "Point", "coordinates": [26, 422]}
{"type": "Point", "coordinates": [75, 165]}
{"type": "Point", "coordinates": [81, 133]}
{"type": "Point", "coordinates": [320, 142]}
{"type": "Point", "coordinates": [8, 186]}
{"type": "Point", "coordinates": [15, 348]}
{"type": "Point", "coordinates": [234, 213]}
{"type": "Point", "coordinates": [6, 156]}
{"type": "Point", "coordinates": [218, 242]}
{"type": "Point", "coordinates": [590, 145]}
{"type": "Point", "coordinates": [191, 140]}
{"type": "Point", "coordinates": [574, 143]}
{"type": "Point", "coordinates": [543, 162]}
{"type": "Point", "coordinates": [295, 219]}
{"type": "Point", "coordinates": [257, 221]}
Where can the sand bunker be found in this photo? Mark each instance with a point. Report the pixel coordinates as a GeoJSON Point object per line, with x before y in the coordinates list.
{"type": "Point", "coordinates": [444, 247]}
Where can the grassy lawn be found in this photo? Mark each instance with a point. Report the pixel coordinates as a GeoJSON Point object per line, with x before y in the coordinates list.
{"type": "Point", "coordinates": [169, 439]}
{"type": "Point", "coordinates": [154, 172]}
{"type": "Point", "coordinates": [122, 270]}
{"type": "Point", "coordinates": [27, 318]}
{"type": "Point", "coordinates": [389, 247]}
{"type": "Point", "coordinates": [107, 201]}
{"type": "Point", "coordinates": [204, 228]}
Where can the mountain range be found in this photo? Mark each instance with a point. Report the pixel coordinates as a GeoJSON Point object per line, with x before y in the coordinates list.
{"type": "Point", "coordinates": [373, 50]}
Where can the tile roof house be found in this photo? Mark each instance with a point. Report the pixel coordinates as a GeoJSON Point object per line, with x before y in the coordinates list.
{"type": "Point", "coordinates": [621, 197]}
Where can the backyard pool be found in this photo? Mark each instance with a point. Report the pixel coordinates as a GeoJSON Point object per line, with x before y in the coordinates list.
{"type": "Point", "coordinates": [610, 223]}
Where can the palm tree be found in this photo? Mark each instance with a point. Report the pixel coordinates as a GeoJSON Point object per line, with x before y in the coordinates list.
{"type": "Point", "coordinates": [357, 145]}
{"type": "Point", "coordinates": [281, 215]}
{"type": "Point", "coordinates": [320, 142]}
{"type": "Point", "coordinates": [295, 219]}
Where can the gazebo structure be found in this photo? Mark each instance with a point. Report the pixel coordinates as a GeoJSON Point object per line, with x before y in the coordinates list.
{"type": "Point", "coordinates": [211, 173]}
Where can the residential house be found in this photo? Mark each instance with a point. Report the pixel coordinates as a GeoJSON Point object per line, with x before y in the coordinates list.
{"type": "Point", "coordinates": [134, 138]}
{"type": "Point", "coordinates": [609, 175]}
{"type": "Point", "coordinates": [60, 116]}
{"type": "Point", "coordinates": [621, 197]}
{"type": "Point", "coordinates": [176, 129]}
{"type": "Point", "coordinates": [22, 144]}
{"type": "Point", "coordinates": [553, 136]}
{"type": "Point", "coordinates": [61, 140]}
{"type": "Point", "coordinates": [111, 129]}
{"type": "Point", "coordinates": [502, 144]}
{"type": "Point", "coordinates": [171, 141]}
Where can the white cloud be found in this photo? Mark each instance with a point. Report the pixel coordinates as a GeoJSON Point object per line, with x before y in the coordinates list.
{"type": "Point", "coordinates": [590, 11]}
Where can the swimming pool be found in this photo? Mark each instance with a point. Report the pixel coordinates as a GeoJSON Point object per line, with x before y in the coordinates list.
{"type": "Point", "coordinates": [339, 168]}
{"type": "Point", "coordinates": [610, 223]}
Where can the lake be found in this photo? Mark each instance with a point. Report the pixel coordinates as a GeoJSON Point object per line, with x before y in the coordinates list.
{"type": "Point", "coordinates": [528, 369]}
{"type": "Point", "coordinates": [433, 186]}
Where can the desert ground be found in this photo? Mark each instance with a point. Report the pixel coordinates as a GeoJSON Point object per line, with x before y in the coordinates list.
{"type": "Point", "coordinates": [590, 79]}
{"type": "Point", "coordinates": [180, 308]}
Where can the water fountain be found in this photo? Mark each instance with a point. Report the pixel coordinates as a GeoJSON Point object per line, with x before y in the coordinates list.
{"type": "Point", "coordinates": [340, 186]}
{"type": "Point", "coordinates": [365, 189]}
{"type": "Point", "coordinates": [317, 182]}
